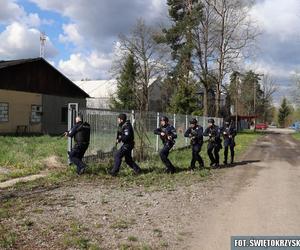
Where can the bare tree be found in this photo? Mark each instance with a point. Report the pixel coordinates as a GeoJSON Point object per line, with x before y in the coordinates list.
{"type": "Point", "coordinates": [296, 89]}
{"type": "Point", "coordinates": [149, 57]}
{"type": "Point", "coordinates": [234, 33]}
{"type": "Point", "coordinates": [269, 87]}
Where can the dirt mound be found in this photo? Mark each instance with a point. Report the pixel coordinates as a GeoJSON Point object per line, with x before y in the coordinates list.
{"type": "Point", "coordinates": [53, 162]}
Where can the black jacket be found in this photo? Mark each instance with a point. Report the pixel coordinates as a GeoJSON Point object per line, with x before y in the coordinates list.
{"type": "Point", "coordinates": [196, 134]}
{"type": "Point", "coordinates": [169, 130]}
{"type": "Point", "coordinates": [81, 132]}
{"type": "Point", "coordinates": [228, 133]}
{"type": "Point", "coordinates": [125, 133]}
{"type": "Point", "coordinates": [214, 134]}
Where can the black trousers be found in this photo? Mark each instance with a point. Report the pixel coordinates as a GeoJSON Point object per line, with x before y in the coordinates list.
{"type": "Point", "coordinates": [77, 154]}
{"type": "Point", "coordinates": [229, 144]}
{"type": "Point", "coordinates": [124, 151]}
{"type": "Point", "coordinates": [213, 152]}
{"type": "Point", "coordinates": [164, 153]}
{"type": "Point", "coordinates": [196, 157]}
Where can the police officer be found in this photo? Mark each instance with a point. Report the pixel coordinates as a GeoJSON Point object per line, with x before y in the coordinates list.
{"type": "Point", "coordinates": [229, 133]}
{"type": "Point", "coordinates": [125, 135]}
{"type": "Point", "coordinates": [168, 135]}
{"type": "Point", "coordinates": [81, 134]}
{"type": "Point", "coordinates": [195, 133]}
{"type": "Point", "coordinates": [214, 143]}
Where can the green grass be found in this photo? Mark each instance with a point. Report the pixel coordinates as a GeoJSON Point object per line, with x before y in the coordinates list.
{"type": "Point", "coordinates": [296, 135]}
{"type": "Point", "coordinates": [23, 156]}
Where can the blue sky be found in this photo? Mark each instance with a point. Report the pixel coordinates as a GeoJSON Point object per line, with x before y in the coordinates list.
{"type": "Point", "coordinates": [82, 33]}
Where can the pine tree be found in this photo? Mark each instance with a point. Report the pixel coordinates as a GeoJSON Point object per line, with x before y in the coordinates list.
{"type": "Point", "coordinates": [125, 98]}
{"type": "Point", "coordinates": [184, 101]}
{"type": "Point", "coordinates": [185, 15]}
{"type": "Point", "coordinates": [283, 113]}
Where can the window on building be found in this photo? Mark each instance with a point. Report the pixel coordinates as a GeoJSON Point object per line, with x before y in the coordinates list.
{"type": "Point", "coordinates": [64, 114]}
{"type": "Point", "coordinates": [3, 112]}
{"type": "Point", "coordinates": [36, 113]}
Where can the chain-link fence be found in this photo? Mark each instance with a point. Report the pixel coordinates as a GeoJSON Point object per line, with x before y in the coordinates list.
{"type": "Point", "coordinates": [104, 128]}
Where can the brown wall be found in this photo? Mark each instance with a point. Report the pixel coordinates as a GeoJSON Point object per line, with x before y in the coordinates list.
{"type": "Point", "coordinates": [19, 110]}
{"type": "Point", "coordinates": [52, 107]}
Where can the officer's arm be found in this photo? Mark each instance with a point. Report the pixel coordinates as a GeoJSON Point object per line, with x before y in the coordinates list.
{"type": "Point", "coordinates": [157, 131]}
{"type": "Point", "coordinates": [234, 132]}
{"type": "Point", "coordinates": [187, 132]}
{"type": "Point", "coordinates": [206, 132]}
{"type": "Point", "coordinates": [173, 133]}
{"type": "Point", "coordinates": [126, 135]}
{"type": "Point", "coordinates": [200, 133]}
{"type": "Point", "coordinates": [73, 131]}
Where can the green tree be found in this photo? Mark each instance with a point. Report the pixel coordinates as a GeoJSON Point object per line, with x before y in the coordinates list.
{"type": "Point", "coordinates": [185, 100]}
{"type": "Point", "coordinates": [283, 113]}
{"type": "Point", "coordinates": [125, 97]}
{"type": "Point", "coordinates": [185, 16]}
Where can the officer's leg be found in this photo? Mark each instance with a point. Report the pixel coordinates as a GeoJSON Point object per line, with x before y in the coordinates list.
{"type": "Point", "coordinates": [82, 166]}
{"type": "Point", "coordinates": [232, 153]}
{"type": "Point", "coordinates": [210, 148]}
{"type": "Point", "coordinates": [75, 157]}
{"type": "Point", "coordinates": [164, 157]}
{"type": "Point", "coordinates": [193, 161]}
{"type": "Point", "coordinates": [197, 157]}
{"type": "Point", "coordinates": [118, 160]}
{"type": "Point", "coordinates": [216, 154]}
{"type": "Point", "coordinates": [225, 153]}
{"type": "Point", "coordinates": [130, 162]}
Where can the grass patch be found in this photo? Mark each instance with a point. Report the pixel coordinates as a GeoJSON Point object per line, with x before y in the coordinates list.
{"type": "Point", "coordinates": [75, 238]}
{"type": "Point", "coordinates": [296, 135]}
{"type": "Point", "coordinates": [8, 238]}
{"type": "Point", "coordinates": [122, 224]}
{"type": "Point", "coordinates": [24, 156]}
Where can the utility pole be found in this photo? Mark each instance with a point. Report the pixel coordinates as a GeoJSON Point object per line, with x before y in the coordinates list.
{"type": "Point", "coordinates": [237, 79]}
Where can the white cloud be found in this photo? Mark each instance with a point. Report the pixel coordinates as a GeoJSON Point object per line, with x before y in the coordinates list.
{"type": "Point", "coordinates": [80, 66]}
{"type": "Point", "coordinates": [18, 41]}
{"type": "Point", "coordinates": [278, 17]}
{"type": "Point", "coordinates": [10, 11]}
{"type": "Point", "coordinates": [71, 35]}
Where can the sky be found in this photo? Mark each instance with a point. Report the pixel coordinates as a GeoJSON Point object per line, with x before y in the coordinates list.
{"type": "Point", "coordinates": [82, 34]}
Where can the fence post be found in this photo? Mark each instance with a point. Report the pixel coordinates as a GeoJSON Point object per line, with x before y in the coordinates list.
{"type": "Point", "coordinates": [186, 127]}
{"type": "Point", "coordinates": [72, 113]}
{"type": "Point", "coordinates": [157, 137]}
{"type": "Point", "coordinates": [132, 118]}
{"type": "Point", "coordinates": [174, 120]}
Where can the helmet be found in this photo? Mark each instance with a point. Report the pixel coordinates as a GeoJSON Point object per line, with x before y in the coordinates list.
{"type": "Point", "coordinates": [123, 117]}
{"type": "Point", "coordinates": [193, 121]}
{"type": "Point", "coordinates": [164, 118]}
{"type": "Point", "coordinates": [212, 121]}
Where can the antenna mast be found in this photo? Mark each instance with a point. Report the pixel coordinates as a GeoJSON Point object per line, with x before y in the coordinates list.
{"type": "Point", "coordinates": [42, 44]}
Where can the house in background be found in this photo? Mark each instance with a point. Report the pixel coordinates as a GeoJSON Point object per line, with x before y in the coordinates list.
{"type": "Point", "coordinates": [100, 92]}
{"type": "Point", "coordinates": [34, 97]}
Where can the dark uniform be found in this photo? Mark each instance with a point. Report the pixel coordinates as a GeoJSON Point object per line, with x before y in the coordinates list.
{"type": "Point", "coordinates": [126, 136]}
{"type": "Point", "coordinates": [168, 143]}
{"type": "Point", "coordinates": [196, 135]}
{"type": "Point", "coordinates": [214, 143]}
{"type": "Point", "coordinates": [81, 134]}
{"type": "Point", "coordinates": [229, 133]}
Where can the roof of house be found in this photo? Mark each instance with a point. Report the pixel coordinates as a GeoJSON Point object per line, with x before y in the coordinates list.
{"type": "Point", "coordinates": [36, 75]}
{"type": "Point", "coordinates": [102, 88]}
{"type": "Point", "coordinates": [98, 88]}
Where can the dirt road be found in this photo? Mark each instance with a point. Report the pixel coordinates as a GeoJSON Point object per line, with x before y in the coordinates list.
{"type": "Point", "coordinates": [258, 199]}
